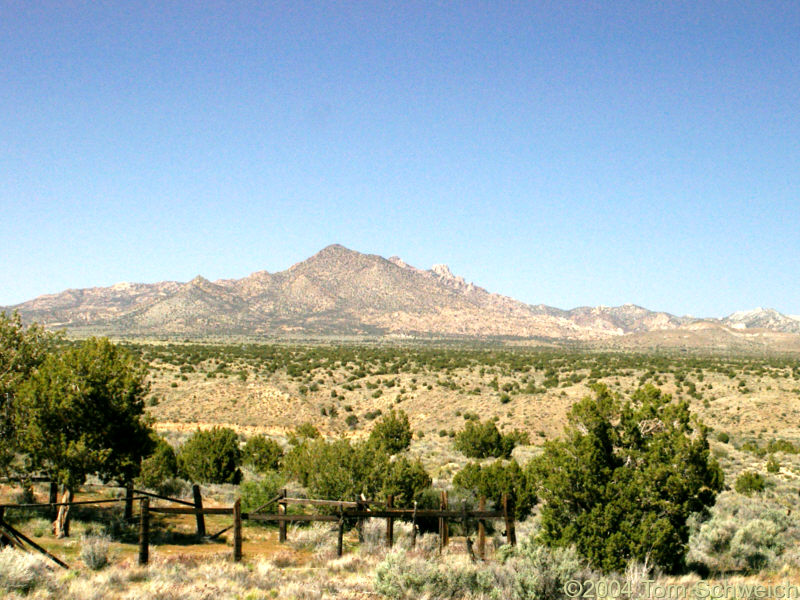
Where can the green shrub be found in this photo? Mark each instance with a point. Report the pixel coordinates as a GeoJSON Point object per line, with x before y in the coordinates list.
{"type": "Point", "coordinates": [340, 470]}
{"type": "Point", "coordinates": [782, 446]}
{"type": "Point", "coordinates": [749, 482]}
{"type": "Point", "coordinates": [337, 470]}
{"type": "Point", "coordinates": [773, 466]}
{"type": "Point", "coordinates": [625, 480]}
{"type": "Point", "coordinates": [496, 479]}
{"type": "Point", "coordinates": [484, 440]}
{"type": "Point", "coordinates": [160, 468]}
{"type": "Point", "coordinates": [392, 433]}
{"type": "Point", "coordinates": [753, 447]}
{"type": "Point", "coordinates": [723, 437]}
{"type": "Point", "coordinates": [211, 456]}
{"type": "Point", "coordinates": [262, 453]}
{"type": "Point", "coordinates": [306, 431]}
{"type": "Point", "coordinates": [255, 494]}
{"type": "Point", "coordinates": [405, 480]}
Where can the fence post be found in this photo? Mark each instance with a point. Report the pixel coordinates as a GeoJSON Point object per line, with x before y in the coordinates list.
{"type": "Point", "coordinates": [198, 504]}
{"type": "Point", "coordinates": [482, 529]}
{"type": "Point", "coordinates": [144, 531]}
{"type": "Point", "coordinates": [414, 526]}
{"type": "Point", "coordinates": [390, 522]}
{"type": "Point", "coordinates": [464, 524]}
{"type": "Point", "coordinates": [360, 505]}
{"type": "Point", "coordinates": [282, 511]}
{"type": "Point", "coordinates": [128, 501]}
{"type": "Point", "coordinates": [237, 530]}
{"type": "Point", "coordinates": [508, 515]}
{"type": "Point", "coordinates": [61, 525]}
{"type": "Point", "coordinates": [444, 536]}
{"type": "Point", "coordinates": [340, 537]}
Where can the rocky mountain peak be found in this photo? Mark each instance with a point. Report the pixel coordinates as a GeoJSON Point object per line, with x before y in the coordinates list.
{"type": "Point", "coordinates": [396, 260]}
{"type": "Point", "coordinates": [446, 275]}
{"type": "Point", "coordinates": [443, 271]}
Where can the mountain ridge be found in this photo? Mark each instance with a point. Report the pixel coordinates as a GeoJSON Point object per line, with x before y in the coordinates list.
{"type": "Point", "coordinates": [339, 291]}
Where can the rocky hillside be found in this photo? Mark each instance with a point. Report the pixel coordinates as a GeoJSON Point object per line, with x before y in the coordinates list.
{"type": "Point", "coordinates": [341, 292]}
{"type": "Point", "coordinates": [763, 318]}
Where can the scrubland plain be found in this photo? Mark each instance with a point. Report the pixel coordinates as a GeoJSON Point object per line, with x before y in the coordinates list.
{"type": "Point", "coordinates": [751, 403]}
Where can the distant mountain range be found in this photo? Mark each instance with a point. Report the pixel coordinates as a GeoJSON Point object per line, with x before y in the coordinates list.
{"type": "Point", "coordinates": [341, 292]}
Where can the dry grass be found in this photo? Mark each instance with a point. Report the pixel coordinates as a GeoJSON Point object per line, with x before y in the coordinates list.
{"type": "Point", "coordinates": [174, 577]}
{"type": "Point", "coordinates": [307, 568]}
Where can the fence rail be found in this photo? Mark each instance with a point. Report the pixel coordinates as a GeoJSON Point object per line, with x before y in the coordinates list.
{"type": "Point", "coordinates": [357, 510]}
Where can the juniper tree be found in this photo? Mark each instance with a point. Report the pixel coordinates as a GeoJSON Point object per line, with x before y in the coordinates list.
{"type": "Point", "coordinates": [623, 482]}
{"type": "Point", "coordinates": [22, 349]}
{"type": "Point", "coordinates": [82, 412]}
{"type": "Point", "coordinates": [211, 456]}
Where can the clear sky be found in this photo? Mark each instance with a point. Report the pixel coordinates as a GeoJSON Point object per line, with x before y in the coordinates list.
{"type": "Point", "coordinates": [565, 153]}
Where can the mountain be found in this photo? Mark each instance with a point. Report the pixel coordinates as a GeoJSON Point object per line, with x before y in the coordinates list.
{"type": "Point", "coordinates": [763, 318]}
{"type": "Point", "coordinates": [342, 292]}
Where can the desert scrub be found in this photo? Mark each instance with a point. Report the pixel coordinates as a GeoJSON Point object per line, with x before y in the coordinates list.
{"type": "Point", "coordinates": [402, 576]}
{"type": "Point", "coordinates": [182, 577]}
{"type": "Point", "coordinates": [532, 570]}
{"type": "Point", "coordinates": [773, 466]}
{"type": "Point", "coordinates": [528, 571]}
{"type": "Point", "coordinates": [94, 551]}
{"type": "Point", "coordinates": [744, 534]}
{"type": "Point", "coordinates": [374, 537]}
{"type": "Point", "coordinates": [749, 482]}
{"type": "Point", "coordinates": [319, 538]}
{"type": "Point", "coordinates": [22, 573]}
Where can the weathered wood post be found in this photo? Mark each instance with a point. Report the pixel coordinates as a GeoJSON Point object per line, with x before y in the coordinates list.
{"type": "Point", "coordinates": [282, 511]}
{"type": "Point", "coordinates": [508, 515]}
{"type": "Point", "coordinates": [390, 522]}
{"type": "Point", "coordinates": [198, 504]}
{"type": "Point", "coordinates": [414, 526]}
{"type": "Point", "coordinates": [360, 506]}
{"type": "Point", "coordinates": [464, 525]}
{"type": "Point", "coordinates": [61, 525]}
{"type": "Point", "coordinates": [237, 530]}
{"type": "Point", "coordinates": [482, 529]}
{"type": "Point", "coordinates": [128, 501]}
{"type": "Point", "coordinates": [444, 534]}
{"type": "Point", "coordinates": [340, 537]}
{"type": "Point", "coordinates": [144, 531]}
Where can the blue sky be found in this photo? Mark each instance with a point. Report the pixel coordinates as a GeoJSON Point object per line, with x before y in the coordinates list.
{"type": "Point", "coordinates": [566, 153]}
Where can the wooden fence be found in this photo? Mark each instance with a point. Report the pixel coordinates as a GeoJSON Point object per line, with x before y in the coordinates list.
{"type": "Point", "coordinates": [357, 511]}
